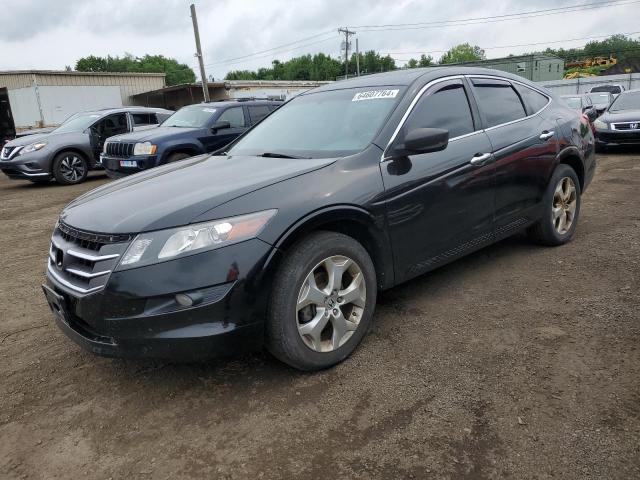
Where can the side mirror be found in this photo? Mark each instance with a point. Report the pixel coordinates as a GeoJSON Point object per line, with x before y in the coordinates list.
{"type": "Point", "coordinates": [423, 140]}
{"type": "Point", "coordinates": [591, 113]}
{"type": "Point", "coordinates": [219, 126]}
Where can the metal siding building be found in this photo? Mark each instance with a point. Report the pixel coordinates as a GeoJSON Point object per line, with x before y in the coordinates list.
{"type": "Point", "coordinates": [537, 68]}
{"type": "Point", "coordinates": [41, 98]}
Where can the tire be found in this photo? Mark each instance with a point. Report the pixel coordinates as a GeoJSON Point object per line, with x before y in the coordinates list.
{"type": "Point", "coordinates": [308, 261]}
{"type": "Point", "coordinates": [549, 230]}
{"type": "Point", "coordinates": [174, 157]}
{"type": "Point", "coordinates": [70, 168]}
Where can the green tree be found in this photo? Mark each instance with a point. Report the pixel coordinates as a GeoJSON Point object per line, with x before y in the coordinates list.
{"type": "Point", "coordinates": [412, 63]}
{"type": "Point", "coordinates": [425, 60]}
{"type": "Point", "coordinates": [176, 73]}
{"type": "Point", "coordinates": [463, 53]}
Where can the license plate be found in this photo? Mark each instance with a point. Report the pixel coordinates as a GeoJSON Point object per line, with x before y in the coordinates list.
{"type": "Point", "coordinates": [128, 163]}
{"type": "Point", "coordinates": [56, 303]}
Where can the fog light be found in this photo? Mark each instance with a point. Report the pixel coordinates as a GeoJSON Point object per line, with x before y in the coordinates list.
{"type": "Point", "coordinates": [188, 299]}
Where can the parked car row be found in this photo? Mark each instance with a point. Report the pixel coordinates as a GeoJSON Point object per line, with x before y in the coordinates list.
{"type": "Point", "coordinates": [68, 152]}
{"type": "Point", "coordinates": [124, 140]}
{"type": "Point", "coordinates": [284, 237]}
{"type": "Point", "coordinates": [193, 130]}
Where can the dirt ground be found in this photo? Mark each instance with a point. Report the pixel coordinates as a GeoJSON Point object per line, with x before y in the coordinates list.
{"type": "Point", "coordinates": [517, 362]}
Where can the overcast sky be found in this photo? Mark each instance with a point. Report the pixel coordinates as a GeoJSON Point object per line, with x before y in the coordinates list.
{"type": "Point", "coordinates": [49, 34]}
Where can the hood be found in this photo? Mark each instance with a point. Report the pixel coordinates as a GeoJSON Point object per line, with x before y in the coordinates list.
{"type": "Point", "coordinates": [154, 134]}
{"type": "Point", "coordinates": [622, 116]}
{"type": "Point", "coordinates": [46, 137]}
{"type": "Point", "coordinates": [175, 194]}
{"type": "Point", "coordinates": [34, 131]}
{"type": "Point", "coordinates": [26, 140]}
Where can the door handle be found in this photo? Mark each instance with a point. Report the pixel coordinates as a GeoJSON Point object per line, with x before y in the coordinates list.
{"type": "Point", "coordinates": [480, 159]}
{"type": "Point", "coordinates": [546, 135]}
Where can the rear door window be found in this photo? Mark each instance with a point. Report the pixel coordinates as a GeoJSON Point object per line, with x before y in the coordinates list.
{"type": "Point", "coordinates": [445, 106]}
{"type": "Point", "coordinates": [533, 100]}
{"type": "Point", "coordinates": [258, 112]}
{"type": "Point", "coordinates": [144, 119]}
{"type": "Point", "coordinates": [498, 102]}
{"type": "Point", "coordinates": [233, 115]}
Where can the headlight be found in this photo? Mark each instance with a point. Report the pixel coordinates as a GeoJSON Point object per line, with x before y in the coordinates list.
{"type": "Point", "coordinates": [163, 245]}
{"type": "Point", "coordinates": [146, 148]}
{"type": "Point", "coordinates": [32, 148]}
{"type": "Point", "coordinates": [600, 125]}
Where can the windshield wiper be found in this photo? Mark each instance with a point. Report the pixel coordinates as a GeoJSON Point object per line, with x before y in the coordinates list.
{"type": "Point", "coordinates": [279, 155]}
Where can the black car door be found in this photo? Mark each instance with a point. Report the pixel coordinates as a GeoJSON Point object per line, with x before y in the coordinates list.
{"type": "Point", "coordinates": [440, 205]}
{"type": "Point", "coordinates": [524, 144]}
{"type": "Point", "coordinates": [237, 125]}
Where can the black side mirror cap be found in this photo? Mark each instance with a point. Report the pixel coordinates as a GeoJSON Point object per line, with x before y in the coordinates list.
{"type": "Point", "coordinates": [423, 140]}
{"type": "Point", "coordinates": [220, 125]}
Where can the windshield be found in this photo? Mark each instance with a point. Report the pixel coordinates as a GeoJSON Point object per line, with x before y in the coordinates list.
{"type": "Point", "coordinates": [574, 102]}
{"type": "Point", "coordinates": [77, 123]}
{"type": "Point", "coordinates": [599, 98]}
{"type": "Point", "coordinates": [626, 101]}
{"type": "Point", "coordinates": [193, 116]}
{"type": "Point", "coordinates": [323, 124]}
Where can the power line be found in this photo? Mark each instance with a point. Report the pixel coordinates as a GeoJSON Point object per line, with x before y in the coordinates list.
{"type": "Point", "coordinates": [271, 54]}
{"type": "Point", "coordinates": [517, 45]}
{"type": "Point", "coordinates": [436, 24]}
{"type": "Point", "coordinates": [494, 18]}
{"type": "Point", "coordinates": [228, 60]}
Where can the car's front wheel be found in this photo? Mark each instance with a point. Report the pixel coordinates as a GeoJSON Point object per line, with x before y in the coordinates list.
{"type": "Point", "coordinates": [70, 168]}
{"type": "Point", "coordinates": [322, 301]}
{"type": "Point", "coordinates": [561, 208]}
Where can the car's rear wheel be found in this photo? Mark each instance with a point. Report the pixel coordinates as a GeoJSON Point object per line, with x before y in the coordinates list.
{"type": "Point", "coordinates": [322, 301]}
{"type": "Point", "coordinates": [174, 157]}
{"type": "Point", "coordinates": [70, 168]}
{"type": "Point", "coordinates": [561, 209]}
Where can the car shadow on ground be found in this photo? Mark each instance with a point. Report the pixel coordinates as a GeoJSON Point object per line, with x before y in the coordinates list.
{"type": "Point", "coordinates": [26, 184]}
{"type": "Point", "coordinates": [236, 370]}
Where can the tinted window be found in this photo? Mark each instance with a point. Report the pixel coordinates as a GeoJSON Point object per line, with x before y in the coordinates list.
{"type": "Point", "coordinates": [112, 125]}
{"type": "Point", "coordinates": [447, 107]}
{"type": "Point", "coordinates": [257, 113]}
{"type": "Point", "coordinates": [533, 100]}
{"type": "Point", "coordinates": [144, 119]}
{"type": "Point", "coordinates": [498, 102]}
{"type": "Point", "coordinates": [235, 117]}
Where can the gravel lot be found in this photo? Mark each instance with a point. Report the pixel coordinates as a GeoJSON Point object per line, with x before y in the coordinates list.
{"type": "Point", "coordinates": [516, 362]}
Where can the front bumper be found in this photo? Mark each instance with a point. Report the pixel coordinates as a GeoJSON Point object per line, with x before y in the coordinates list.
{"type": "Point", "coordinates": [30, 166]}
{"type": "Point", "coordinates": [136, 314]}
{"type": "Point", "coordinates": [115, 169]}
{"type": "Point", "coordinates": [617, 137]}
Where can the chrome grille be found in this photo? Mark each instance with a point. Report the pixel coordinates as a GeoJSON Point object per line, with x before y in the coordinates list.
{"type": "Point", "coordinates": [82, 261]}
{"type": "Point", "coordinates": [7, 152]}
{"type": "Point", "coordinates": [626, 126]}
{"type": "Point", "coordinates": [119, 149]}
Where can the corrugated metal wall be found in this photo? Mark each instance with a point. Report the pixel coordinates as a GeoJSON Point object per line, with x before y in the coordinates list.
{"type": "Point", "coordinates": [583, 85]}
{"type": "Point", "coordinates": [129, 84]}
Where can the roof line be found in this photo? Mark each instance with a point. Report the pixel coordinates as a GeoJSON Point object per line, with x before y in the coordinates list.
{"type": "Point", "coordinates": [73, 72]}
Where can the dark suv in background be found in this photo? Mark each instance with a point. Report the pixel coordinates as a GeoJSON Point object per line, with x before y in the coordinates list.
{"type": "Point", "coordinates": [68, 152]}
{"type": "Point", "coordinates": [192, 130]}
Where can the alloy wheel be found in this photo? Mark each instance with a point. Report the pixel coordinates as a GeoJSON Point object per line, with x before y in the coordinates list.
{"type": "Point", "coordinates": [72, 168]}
{"type": "Point", "coordinates": [331, 303]}
{"type": "Point", "coordinates": [564, 205]}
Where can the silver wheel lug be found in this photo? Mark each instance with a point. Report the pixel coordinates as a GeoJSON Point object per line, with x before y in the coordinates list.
{"type": "Point", "coordinates": [335, 311]}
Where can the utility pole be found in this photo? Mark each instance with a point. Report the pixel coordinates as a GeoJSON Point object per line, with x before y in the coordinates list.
{"type": "Point", "coordinates": [347, 33]}
{"type": "Point", "coordinates": [203, 75]}
{"type": "Point", "coordinates": [357, 58]}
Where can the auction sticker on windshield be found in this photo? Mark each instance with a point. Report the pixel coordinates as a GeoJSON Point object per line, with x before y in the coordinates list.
{"type": "Point", "coordinates": [374, 95]}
